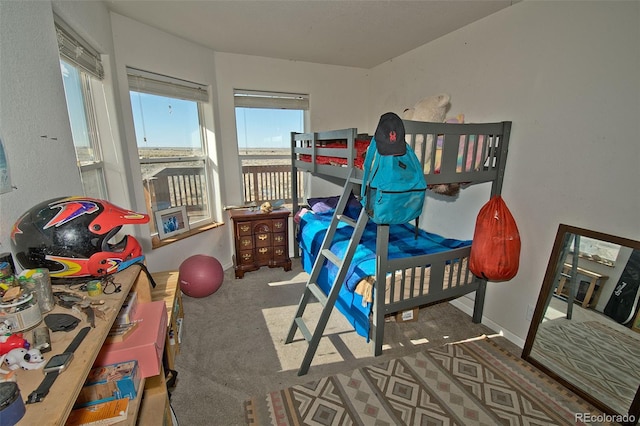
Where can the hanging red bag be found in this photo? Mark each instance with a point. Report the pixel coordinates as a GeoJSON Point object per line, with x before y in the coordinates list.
{"type": "Point", "coordinates": [495, 251]}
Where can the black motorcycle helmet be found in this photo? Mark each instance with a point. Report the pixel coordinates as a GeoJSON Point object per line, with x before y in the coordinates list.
{"type": "Point", "coordinates": [70, 237]}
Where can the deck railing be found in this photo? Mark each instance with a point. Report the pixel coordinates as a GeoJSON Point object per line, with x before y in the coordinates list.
{"type": "Point", "coordinates": [270, 183]}
{"type": "Point", "coordinates": [185, 186]}
{"type": "Point", "coordinates": [178, 186]}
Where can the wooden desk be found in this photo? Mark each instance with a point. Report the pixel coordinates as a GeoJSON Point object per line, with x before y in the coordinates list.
{"type": "Point", "coordinates": [594, 279]}
{"type": "Point", "coordinates": [55, 408]}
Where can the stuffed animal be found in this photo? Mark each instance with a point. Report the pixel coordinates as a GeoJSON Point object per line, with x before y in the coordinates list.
{"type": "Point", "coordinates": [266, 207]}
{"type": "Point", "coordinates": [433, 109]}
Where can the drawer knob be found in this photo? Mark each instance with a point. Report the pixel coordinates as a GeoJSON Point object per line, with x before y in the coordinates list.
{"type": "Point", "coordinates": [245, 228]}
{"type": "Point", "coordinates": [263, 250]}
{"type": "Point", "coordinates": [246, 256]}
{"type": "Point", "coordinates": [263, 237]}
{"type": "Point", "coordinates": [278, 225]}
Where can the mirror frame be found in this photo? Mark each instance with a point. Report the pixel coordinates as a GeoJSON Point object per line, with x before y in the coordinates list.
{"type": "Point", "coordinates": [538, 313]}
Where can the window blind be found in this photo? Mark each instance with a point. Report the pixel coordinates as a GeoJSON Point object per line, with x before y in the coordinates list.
{"type": "Point", "coordinates": [77, 51]}
{"type": "Point", "coordinates": [271, 100]}
{"type": "Point", "coordinates": [162, 85]}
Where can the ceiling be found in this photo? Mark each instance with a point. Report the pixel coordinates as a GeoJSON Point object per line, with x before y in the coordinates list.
{"type": "Point", "coordinates": [354, 33]}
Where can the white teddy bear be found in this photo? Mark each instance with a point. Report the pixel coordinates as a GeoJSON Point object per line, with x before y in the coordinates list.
{"type": "Point", "coordinates": [432, 108]}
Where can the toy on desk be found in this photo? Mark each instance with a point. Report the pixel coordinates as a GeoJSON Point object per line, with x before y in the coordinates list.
{"type": "Point", "coordinates": [30, 359]}
{"type": "Point", "coordinates": [266, 207]}
{"type": "Point", "coordinates": [13, 341]}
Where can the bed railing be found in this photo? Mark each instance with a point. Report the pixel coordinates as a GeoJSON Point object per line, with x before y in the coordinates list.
{"type": "Point", "coordinates": [461, 153]}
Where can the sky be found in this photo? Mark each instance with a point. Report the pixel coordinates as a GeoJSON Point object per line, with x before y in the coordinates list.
{"type": "Point", "coordinates": [166, 122]}
{"type": "Point", "coordinates": [162, 122]}
{"type": "Point", "coordinates": [267, 128]}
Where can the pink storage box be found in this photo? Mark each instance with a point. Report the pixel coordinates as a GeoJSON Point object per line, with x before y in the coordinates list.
{"type": "Point", "coordinates": [145, 344]}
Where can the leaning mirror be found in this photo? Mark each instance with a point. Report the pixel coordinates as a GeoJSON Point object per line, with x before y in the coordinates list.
{"type": "Point", "coordinates": [585, 330]}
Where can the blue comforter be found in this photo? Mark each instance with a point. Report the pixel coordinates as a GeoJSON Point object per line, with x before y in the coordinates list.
{"type": "Point", "coordinates": [402, 243]}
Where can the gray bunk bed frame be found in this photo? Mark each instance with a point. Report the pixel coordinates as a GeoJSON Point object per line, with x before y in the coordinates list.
{"type": "Point", "coordinates": [488, 141]}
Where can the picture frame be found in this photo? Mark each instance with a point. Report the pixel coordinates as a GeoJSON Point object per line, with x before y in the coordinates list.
{"type": "Point", "coordinates": [171, 222]}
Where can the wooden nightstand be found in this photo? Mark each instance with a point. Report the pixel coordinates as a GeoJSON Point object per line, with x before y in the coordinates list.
{"type": "Point", "coordinates": [261, 239]}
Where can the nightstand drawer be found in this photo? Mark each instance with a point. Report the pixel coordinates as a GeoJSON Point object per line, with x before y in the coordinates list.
{"type": "Point", "coordinates": [279, 225]}
{"type": "Point", "coordinates": [263, 239]}
{"type": "Point", "coordinates": [245, 257]}
{"type": "Point", "coordinates": [262, 228]}
{"type": "Point", "coordinates": [280, 239]}
{"type": "Point", "coordinates": [245, 242]}
{"type": "Point", "coordinates": [243, 228]}
{"type": "Point", "coordinates": [280, 253]}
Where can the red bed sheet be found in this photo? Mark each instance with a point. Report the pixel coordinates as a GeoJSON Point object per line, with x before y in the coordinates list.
{"type": "Point", "coordinates": [361, 150]}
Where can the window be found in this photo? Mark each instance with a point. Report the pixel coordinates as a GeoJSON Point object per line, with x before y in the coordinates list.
{"type": "Point", "coordinates": [264, 122]}
{"type": "Point", "coordinates": [81, 74]}
{"type": "Point", "coordinates": [167, 115]}
{"type": "Point", "coordinates": [597, 251]}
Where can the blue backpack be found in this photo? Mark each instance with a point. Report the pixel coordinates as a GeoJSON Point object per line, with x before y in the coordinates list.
{"type": "Point", "coordinates": [393, 186]}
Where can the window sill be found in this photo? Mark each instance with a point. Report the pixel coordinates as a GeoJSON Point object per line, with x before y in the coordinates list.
{"type": "Point", "coordinates": [157, 243]}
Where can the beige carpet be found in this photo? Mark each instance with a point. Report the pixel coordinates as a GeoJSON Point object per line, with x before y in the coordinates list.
{"type": "Point", "coordinates": [471, 383]}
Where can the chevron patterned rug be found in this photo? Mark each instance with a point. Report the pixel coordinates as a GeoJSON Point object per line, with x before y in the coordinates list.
{"type": "Point", "coordinates": [470, 383]}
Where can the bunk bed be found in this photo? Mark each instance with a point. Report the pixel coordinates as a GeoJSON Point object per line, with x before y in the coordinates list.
{"type": "Point", "coordinates": [416, 271]}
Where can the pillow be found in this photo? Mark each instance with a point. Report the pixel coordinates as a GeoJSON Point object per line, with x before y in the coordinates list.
{"type": "Point", "coordinates": [299, 214]}
{"type": "Point", "coordinates": [328, 204]}
{"type": "Point", "coordinates": [323, 204]}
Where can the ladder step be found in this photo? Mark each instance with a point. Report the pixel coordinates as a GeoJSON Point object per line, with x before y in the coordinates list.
{"type": "Point", "coordinates": [303, 329]}
{"type": "Point", "coordinates": [346, 219]}
{"type": "Point", "coordinates": [332, 257]}
{"type": "Point", "coordinates": [318, 293]}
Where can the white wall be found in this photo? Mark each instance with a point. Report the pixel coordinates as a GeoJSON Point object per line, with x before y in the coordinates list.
{"type": "Point", "coordinates": [32, 104]}
{"type": "Point", "coordinates": [34, 125]}
{"type": "Point", "coordinates": [567, 75]}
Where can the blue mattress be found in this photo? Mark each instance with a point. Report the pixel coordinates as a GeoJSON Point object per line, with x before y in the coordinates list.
{"type": "Point", "coordinates": [402, 243]}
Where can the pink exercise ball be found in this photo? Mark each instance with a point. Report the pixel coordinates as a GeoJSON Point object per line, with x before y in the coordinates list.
{"type": "Point", "coordinates": [200, 275]}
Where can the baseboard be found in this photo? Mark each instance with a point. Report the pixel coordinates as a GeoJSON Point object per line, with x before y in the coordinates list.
{"type": "Point", "coordinates": [458, 303]}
